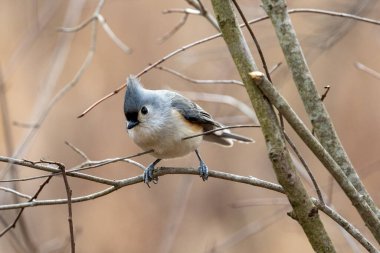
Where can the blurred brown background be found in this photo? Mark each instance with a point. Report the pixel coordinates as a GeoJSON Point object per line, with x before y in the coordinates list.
{"type": "Point", "coordinates": [180, 213]}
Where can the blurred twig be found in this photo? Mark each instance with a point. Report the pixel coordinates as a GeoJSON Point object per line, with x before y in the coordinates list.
{"type": "Point", "coordinates": [335, 14]}
{"type": "Point", "coordinates": [197, 4]}
{"type": "Point", "coordinates": [18, 194]}
{"type": "Point", "coordinates": [225, 99]}
{"type": "Point", "coordinates": [367, 70]}
{"type": "Point", "coordinates": [178, 26]}
{"type": "Point", "coordinates": [97, 17]}
{"type": "Point", "coordinates": [260, 202]}
{"type": "Point", "coordinates": [198, 81]}
{"type": "Point", "coordinates": [246, 231]}
{"type": "Point", "coordinates": [30, 201]}
{"type": "Point", "coordinates": [42, 108]}
{"type": "Point", "coordinates": [212, 37]}
{"type": "Point", "coordinates": [13, 172]}
{"type": "Point", "coordinates": [199, 10]}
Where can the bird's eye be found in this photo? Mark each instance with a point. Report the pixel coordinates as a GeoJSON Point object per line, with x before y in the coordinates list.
{"type": "Point", "coordinates": [144, 110]}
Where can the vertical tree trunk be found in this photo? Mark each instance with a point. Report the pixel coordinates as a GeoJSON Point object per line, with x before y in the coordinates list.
{"type": "Point", "coordinates": [304, 210]}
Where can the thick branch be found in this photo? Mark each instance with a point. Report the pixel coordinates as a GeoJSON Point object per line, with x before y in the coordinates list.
{"type": "Point", "coordinates": [318, 115]}
{"type": "Point", "coordinates": [279, 155]}
{"type": "Point", "coordinates": [368, 216]}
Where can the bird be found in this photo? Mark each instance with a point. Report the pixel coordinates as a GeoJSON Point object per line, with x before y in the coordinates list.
{"type": "Point", "coordinates": [170, 125]}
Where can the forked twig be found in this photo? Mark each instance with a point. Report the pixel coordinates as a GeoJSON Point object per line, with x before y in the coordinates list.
{"type": "Point", "coordinates": [13, 225]}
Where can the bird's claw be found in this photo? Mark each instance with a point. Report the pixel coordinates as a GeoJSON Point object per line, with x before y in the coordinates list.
{"type": "Point", "coordinates": [148, 175]}
{"type": "Point", "coordinates": [203, 171]}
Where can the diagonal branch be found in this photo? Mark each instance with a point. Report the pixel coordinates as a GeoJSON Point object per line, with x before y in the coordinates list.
{"type": "Point", "coordinates": [318, 115]}
{"type": "Point", "coordinates": [282, 165]}
{"type": "Point", "coordinates": [218, 35]}
{"type": "Point", "coordinates": [31, 200]}
{"type": "Point", "coordinates": [369, 217]}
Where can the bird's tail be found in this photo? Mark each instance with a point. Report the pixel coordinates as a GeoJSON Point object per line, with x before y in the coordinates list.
{"type": "Point", "coordinates": [226, 138]}
{"type": "Point", "coordinates": [236, 137]}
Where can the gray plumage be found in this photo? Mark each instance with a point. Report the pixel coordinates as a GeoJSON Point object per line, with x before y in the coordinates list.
{"type": "Point", "coordinates": [159, 120]}
{"type": "Point", "coordinates": [137, 96]}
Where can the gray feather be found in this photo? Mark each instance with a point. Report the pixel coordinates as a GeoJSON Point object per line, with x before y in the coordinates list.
{"type": "Point", "coordinates": [195, 114]}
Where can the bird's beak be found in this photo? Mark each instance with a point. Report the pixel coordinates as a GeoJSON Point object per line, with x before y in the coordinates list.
{"type": "Point", "coordinates": [132, 123]}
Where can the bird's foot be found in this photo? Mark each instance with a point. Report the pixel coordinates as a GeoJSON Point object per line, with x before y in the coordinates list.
{"type": "Point", "coordinates": [203, 170]}
{"type": "Point", "coordinates": [148, 174]}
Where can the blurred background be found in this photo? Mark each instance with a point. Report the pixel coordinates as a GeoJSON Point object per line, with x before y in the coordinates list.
{"type": "Point", "coordinates": [181, 213]}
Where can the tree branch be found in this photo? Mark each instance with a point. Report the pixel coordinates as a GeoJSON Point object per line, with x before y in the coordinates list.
{"type": "Point", "coordinates": [117, 184]}
{"type": "Point", "coordinates": [368, 216]}
{"type": "Point", "coordinates": [210, 38]}
{"type": "Point", "coordinates": [318, 115]}
{"type": "Point", "coordinates": [278, 153]}
{"type": "Point", "coordinates": [31, 200]}
{"type": "Point", "coordinates": [161, 171]}
{"type": "Point", "coordinates": [70, 210]}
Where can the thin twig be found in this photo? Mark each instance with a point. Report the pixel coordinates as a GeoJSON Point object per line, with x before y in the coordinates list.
{"type": "Point", "coordinates": [219, 129]}
{"type": "Point", "coordinates": [151, 66]}
{"type": "Point", "coordinates": [312, 178]}
{"type": "Point", "coordinates": [257, 44]}
{"type": "Point", "coordinates": [275, 67]}
{"type": "Point", "coordinates": [368, 70]}
{"type": "Point", "coordinates": [112, 35]}
{"type": "Point", "coordinates": [78, 27]}
{"type": "Point", "coordinates": [225, 99]}
{"type": "Point", "coordinates": [324, 95]}
{"type": "Point", "coordinates": [198, 81]}
{"type": "Point", "coordinates": [17, 193]}
{"type": "Point", "coordinates": [248, 230]}
{"type": "Point", "coordinates": [58, 96]}
{"type": "Point", "coordinates": [260, 202]}
{"type": "Point", "coordinates": [73, 172]}
{"type": "Point", "coordinates": [175, 28]}
{"type": "Point", "coordinates": [24, 125]}
{"type": "Point", "coordinates": [335, 14]}
{"type": "Point", "coordinates": [31, 200]}
{"type": "Point", "coordinates": [69, 195]}
{"type": "Point", "coordinates": [187, 11]}
{"type": "Point", "coordinates": [117, 184]}
{"type": "Point", "coordinates": [197, 4]}
{"type": "Point", "coordinates": [161, 171]}
{"type": "Point", "coordinates": [354, 232]}
{"type": "Point", "coordinates": [215, 36]}
{"type": "Point", "coordinates": [77, 150]}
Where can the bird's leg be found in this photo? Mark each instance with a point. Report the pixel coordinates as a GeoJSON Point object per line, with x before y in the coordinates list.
{"type": "Point", "coordinates": [203, 170]}
{"type": "Point", "coordinates": [148, 173]}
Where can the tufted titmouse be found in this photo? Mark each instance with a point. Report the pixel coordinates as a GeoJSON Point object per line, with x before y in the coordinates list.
{"type": "Point", "coordinates": [159, 120]}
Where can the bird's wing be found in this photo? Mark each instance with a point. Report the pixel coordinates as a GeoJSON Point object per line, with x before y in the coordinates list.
{"type": "Point", "coordinates": [193, 112]}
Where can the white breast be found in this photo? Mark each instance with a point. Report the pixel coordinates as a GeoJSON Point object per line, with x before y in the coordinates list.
{"type": "Point", "coordinates": [167, 140]}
